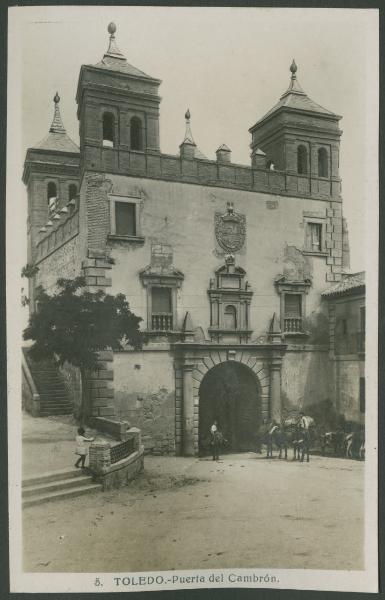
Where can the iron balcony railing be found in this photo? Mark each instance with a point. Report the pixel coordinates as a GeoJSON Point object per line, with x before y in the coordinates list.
{"type": "Point", "coordinates": [292, 325]}
{"type": "Point", "coordinates": [161, 322]}
{"type": "Point", "coordinates": [122, 450]}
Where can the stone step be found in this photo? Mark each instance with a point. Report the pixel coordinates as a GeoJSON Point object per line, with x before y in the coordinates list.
{"type": "Point", "coordinates": [61, 494]}
{"type": "Point", "coordinates": [56, 400]}
{"type": "Point", "coordinates": [55, 486]}
{"type": "Point", "coordinates": [48, 407]}
{"type": "Point", "coordinates": [56, 411]}
{"type": "Point", "coordinates": [53, 476]}
{"type": "Point", "coordinates": [51, 386]}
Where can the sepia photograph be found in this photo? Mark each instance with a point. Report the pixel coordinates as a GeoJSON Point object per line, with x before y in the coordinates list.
{"type": "Point", "coordinates": [192, 265]}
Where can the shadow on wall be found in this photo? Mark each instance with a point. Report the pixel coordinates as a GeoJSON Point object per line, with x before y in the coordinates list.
{"type": "Point", "coordinates": [317, 325]}
{"type": "Point", "coordinates": [154, 414]}
{"type": "Point", "coordinates": [318, 383]}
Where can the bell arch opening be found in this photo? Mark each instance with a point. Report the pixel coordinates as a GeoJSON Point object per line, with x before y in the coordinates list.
{"type": "Point", "coordinates": [230, 394]}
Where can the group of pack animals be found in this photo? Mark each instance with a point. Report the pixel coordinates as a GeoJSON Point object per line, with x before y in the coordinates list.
{"type": "Point", "coordinates": [289, 433]}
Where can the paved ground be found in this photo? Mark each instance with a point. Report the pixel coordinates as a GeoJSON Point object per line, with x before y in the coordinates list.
{"type": "Point", "coordinates": [182, 513]}
{"type": "Point", "coordinates": [49, 443]}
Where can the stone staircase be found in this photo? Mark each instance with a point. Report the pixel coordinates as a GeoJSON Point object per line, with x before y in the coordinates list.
{"type": "Point", "coordinates": [59, 485]}
{"type": "Point", "coordinates": [49, 382]}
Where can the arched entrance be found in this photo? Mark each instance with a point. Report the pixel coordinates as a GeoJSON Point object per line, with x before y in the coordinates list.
{"type": "Point", "coordinates": [229, 393]}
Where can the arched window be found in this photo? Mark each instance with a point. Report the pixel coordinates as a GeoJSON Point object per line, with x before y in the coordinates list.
{"type": "Point", "coordinates": [108, 129]}
{"type": "Point", "coordinates": [301, 160]}
{"type": "Point", "coordinates": [230, 317]}
{"type": "Point", "coordinates": [270, 165]}
{"type": "Point", "coordinates": [136, 134]}
{"type": "Point", "coordinates": [52, 196]}
{"type": "Point", "coordinates": [323, 170]}
{"type": "Point", "coordinates": [72, 191]}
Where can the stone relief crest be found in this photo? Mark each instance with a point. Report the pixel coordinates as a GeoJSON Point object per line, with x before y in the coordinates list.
{"type": "Point", "coordinates": [230, 229]}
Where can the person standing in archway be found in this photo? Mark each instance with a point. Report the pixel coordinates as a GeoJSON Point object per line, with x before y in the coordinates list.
{"type": "Point", "coordinates": [215, 440]}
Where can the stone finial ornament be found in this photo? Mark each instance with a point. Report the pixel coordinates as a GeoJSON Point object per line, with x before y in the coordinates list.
{"type": "Point", "coordinates": [57, 124]}
{"type": "Point", "coordinates": [188, 136]}
{"type": "Point", "coordinates": [113, 51]}
{"type": "Point", "coordinates": [293, 69]}
{"type": "Point", "coordinates": [111, 28]}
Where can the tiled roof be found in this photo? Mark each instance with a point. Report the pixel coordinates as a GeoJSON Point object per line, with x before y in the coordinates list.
{"type": "Point", "coordinates": [295, 98]}
{"type": "Point", "coordinates": [348, 284]}
{"type": "Point", "coordinates": [57, 141]}
{"type": "Point", "coordinates": [121, 65]}
{"type": "Point", "coordinates": [114, 60]}
{"type": "Point", "coordinates": [57, 138]}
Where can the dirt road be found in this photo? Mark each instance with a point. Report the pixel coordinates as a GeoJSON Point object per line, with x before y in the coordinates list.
{"type": "Point", "coordinates": [244, 511]}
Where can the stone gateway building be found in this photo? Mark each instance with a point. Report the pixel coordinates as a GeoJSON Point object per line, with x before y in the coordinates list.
{"type": "Point", "coordinates": [225, 263]}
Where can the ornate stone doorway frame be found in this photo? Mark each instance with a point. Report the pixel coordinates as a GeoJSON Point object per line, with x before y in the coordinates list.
{"type": "Point", "coordinates": [192, 362]}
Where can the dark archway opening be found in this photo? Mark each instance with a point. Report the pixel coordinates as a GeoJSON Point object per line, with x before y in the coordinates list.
{"type": "Point", "coordinates": [229, 394]}
{"type": "Point", "coordinates": [136, 134]}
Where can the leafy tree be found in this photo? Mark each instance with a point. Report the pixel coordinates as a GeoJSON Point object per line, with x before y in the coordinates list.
{"type": "Point", "coordinates": [73, 324]}
{"type": "Point", "coordinates": [29, 270]}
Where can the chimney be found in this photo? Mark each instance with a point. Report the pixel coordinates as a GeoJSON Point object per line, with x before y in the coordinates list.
{"type": "Point", "coordinates": [258, 159]}
{"type": "Point", "coordinates": [223, 154]}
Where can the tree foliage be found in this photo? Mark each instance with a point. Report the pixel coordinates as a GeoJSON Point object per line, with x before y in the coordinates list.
{"type": "Point", "coordinates": [29, 270]}
{"type": "Point", "coordinates": [73, 324]}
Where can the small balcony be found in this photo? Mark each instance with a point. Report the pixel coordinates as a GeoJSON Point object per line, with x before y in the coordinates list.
{"type": "Point", "coordinates": [161, 322]}
{"type": "Point", "coordinates": [292, 325]}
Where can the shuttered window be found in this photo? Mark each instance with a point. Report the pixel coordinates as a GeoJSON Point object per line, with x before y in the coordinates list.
{"type": "Point", "coordinates": [314, 237]}
{"type": "Point", "coordinates": [125, 218]}
{"type": "Point", "coordinates": [161, 300]}
{"type": "Point", "coordinates": [293, 307]}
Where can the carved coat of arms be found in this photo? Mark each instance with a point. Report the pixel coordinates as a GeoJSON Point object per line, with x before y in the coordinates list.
{"type": "Point", "coordinates": [230, 229]}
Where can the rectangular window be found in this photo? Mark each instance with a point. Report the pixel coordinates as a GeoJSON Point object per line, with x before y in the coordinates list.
{"type": "Point", "coordinates": [362, 394]}
{"type": "Point", "coordinates": [161, 309]}
{"type": "Point", "coordinates": [125, 218]}
{"type": "Point", "coordinates": [293, 313]}
{"type": "Point", "coordinates": [293, 305]}
{"type": "Point", "coordinates": [314, 237]}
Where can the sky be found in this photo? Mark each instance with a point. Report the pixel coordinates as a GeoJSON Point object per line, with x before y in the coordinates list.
{"type": "Point", "coordinates": [229, 66]}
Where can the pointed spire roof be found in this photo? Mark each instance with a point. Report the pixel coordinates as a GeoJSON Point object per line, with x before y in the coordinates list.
{"type": "Point", "coordinates": [275, 326]}
{"type": "Point", "coordinates": [57, 138]}
{"type": "Point", "coordinates": [57, 124]}
{"type": "Point", "coordinates": [188, 137]}
{"type": "Point", "coordinates": [114, 59]}
{"type": "Point", "coordinates": [295, 98]}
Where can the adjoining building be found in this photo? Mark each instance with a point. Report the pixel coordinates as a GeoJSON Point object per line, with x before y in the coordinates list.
{"type": "Point", "coordinates": [225, 263]}
{"type": "Point", "coordinates": [346, 302]}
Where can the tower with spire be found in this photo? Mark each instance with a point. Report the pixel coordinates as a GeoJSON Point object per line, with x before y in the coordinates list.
{"type": "Point", "coordinates": [118, 111]}
{"type": "Point", "coordinates": [51, 174]}
{"type": "Point", "coordinates": [300, 137]}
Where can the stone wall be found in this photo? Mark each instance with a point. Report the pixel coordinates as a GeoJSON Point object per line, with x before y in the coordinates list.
{"type": "Point", "coordinates": [348, 374]}
{"type": "Point", "coordinates": [206, 172]}
{"type": "Point", "coordinates": [182, 216]}
{"type": "Point", "coordinates": [144, 385]}
{"type": "Point", "coordinates": [306, 377]}
{"type": "Point", "coordinates": [64, 261]}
